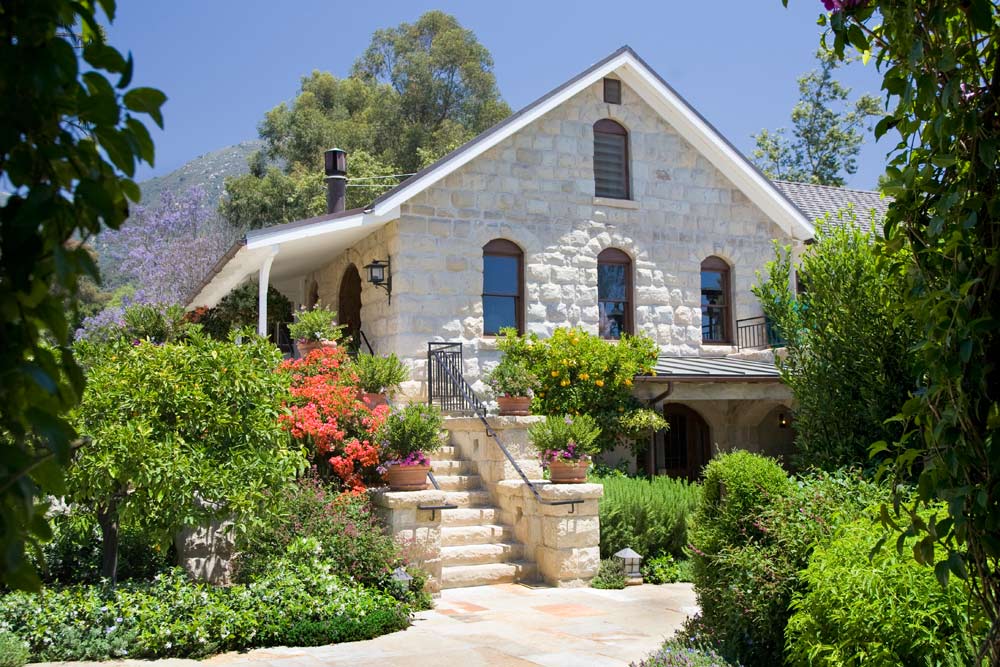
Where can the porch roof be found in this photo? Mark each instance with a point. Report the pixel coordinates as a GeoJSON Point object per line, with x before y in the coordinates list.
{"type": "Point", "coordinates": [711, 369]}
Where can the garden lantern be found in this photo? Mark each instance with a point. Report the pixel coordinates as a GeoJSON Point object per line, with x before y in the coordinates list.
{"type": "Point", "coordinates": [400, 575]}
{"type": "Point", "coordinates": [378, 275]}
{"type": "Point", "coordinates": [631, 561]}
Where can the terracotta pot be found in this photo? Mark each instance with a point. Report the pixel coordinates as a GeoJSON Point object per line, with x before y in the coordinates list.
{"type": "Point", "coordinates": [514, 406]}
{"type": "Point", "coordinates": [408, 478]}
{"type": "Point", "coordinates": [372, 400]}
{"type": "Point", "coordinates": [307, 346]}
{"type": "Point", "coordinates": [568, 472]}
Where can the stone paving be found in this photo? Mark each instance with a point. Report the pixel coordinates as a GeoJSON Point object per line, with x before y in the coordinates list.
{"type": "Point", "coordinates": [506, 624]}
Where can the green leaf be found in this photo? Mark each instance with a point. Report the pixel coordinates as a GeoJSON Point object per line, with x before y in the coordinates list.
{"type": "Point", "coordinates": [146, 100]}
{"type": "Point", "coordinates": [941, 571]}
{"type": "Point", "coordinates": [981, 13]}
{"type": "Point", "coordinates": [957, 565]}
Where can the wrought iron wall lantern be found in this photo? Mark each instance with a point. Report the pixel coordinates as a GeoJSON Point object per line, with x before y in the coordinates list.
{"type": "Point", "coordinates": [379, 276]}
{"type": "Point", "coordinates": [783, 420]}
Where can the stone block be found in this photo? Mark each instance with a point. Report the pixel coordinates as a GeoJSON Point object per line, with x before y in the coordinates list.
{"type": "Point", "coordinates": [574, 566]}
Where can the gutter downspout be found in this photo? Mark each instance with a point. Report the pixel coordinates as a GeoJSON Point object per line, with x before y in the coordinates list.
{"type": "Point", "coordinates": [262, 285]}
{"type": "Point", "coordinates": [651, 452]}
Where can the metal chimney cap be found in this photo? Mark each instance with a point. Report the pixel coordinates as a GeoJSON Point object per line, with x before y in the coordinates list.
{"type": "Point", "coordinates": [335, 162]}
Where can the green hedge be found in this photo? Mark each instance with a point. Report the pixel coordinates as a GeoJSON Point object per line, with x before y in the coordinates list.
{"type": "Point", "coordinates": [649, 516]}
{"type": "Point", "coordinates": [889, 610]}
{"type": "Point", "coordinates": [298, 604]}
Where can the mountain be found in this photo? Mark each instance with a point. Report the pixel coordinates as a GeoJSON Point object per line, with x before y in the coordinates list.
{"type": "Point", "coordinates": [208, 171]}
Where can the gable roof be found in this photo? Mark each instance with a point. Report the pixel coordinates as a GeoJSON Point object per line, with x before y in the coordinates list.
{"type": "Point", "coordinates": [816, 201]}
{"type": "Point", "coordinates": [656, 92]}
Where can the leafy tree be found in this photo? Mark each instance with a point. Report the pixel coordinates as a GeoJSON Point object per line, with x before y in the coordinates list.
{"type": "Point", "coordinates": [942, 82]}
{"type": "Point", "coordinates": [827, 131]}
{"type": "Point", "coordinates": [70, 138]}
{"type": "Point", "coordinates": [419, 91]}
{"type": "Point", "coordinates": [849, 363]}
{"type": "Point", "coordinates": [182, 430]}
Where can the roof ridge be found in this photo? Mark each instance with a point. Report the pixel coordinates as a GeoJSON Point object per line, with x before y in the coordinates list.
{"type": "Point", "coordinates": [831, 187]}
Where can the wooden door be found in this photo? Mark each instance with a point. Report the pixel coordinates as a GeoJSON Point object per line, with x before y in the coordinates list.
{"type": "Point", "coordinates": [349, 303]}
{"type": "Point", "coordinates": [684, 448]}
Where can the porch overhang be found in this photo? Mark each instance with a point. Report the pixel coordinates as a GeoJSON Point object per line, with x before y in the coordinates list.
{"type": "Point", "coordinates": [289, 251]}
{"type": "Point", "coordinates": [711, 369]}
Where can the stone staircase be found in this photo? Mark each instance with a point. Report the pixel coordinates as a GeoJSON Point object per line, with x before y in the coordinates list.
{"type": "Point", "coordinates": [476, 548]}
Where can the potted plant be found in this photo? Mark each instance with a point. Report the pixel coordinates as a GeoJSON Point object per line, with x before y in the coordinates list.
{"type": "Point", "coordinates": [512, 383]}
{"type": "Point", "coordinates": [378, 377]}
{"type": "Point", "coordinates": [314, 328]}
{"type": "Point", "coordinates": [565, 445]}
{"type": "Point", "coordinates": [409, 435]}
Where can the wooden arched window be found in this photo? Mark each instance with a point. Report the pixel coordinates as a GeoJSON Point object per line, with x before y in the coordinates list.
{"type": "Point", "coordinates": [614, 293]}
{"type": "Point", "coordinates": [611, 178]}
{"type": "Point", "coordinates": [716, 301]}
{"type": "Point", "coordinates": [503, 287]}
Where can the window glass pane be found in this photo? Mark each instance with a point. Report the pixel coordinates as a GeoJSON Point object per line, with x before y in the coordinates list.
{"type": "Point", "coordinates": [612, 322]}
{"type": "Point", "coordinates": [711, 280]}
{"type": "Point", "coordinates": [713, 323]}
{"type": "Point", "coordinates": [500, 274]}
{"type": "Point", "coordinates": [498, 312]}
{"type": "Point", "coordinates": [611, 282]}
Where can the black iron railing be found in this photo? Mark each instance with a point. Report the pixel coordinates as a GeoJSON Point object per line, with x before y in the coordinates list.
{"type": "Point", "coordinates": [279, 336]}
{"type": "Point", "coordinates": [447, 385]}
{"type": "Point", "coordinates": [757, 333]}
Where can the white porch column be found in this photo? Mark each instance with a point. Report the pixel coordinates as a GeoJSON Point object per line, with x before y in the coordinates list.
{"type": "Point", "coordinates": [262, 284]}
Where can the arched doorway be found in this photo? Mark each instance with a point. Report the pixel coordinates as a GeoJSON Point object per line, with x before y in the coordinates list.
{"type": "Point", "coordinates": [349, 304]}
{"type": "Point", "coordinates": [684, 448]}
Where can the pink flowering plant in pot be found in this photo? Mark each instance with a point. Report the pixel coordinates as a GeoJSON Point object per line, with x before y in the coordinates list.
{"type": "Point", "coordinates": [408, 436]}
{"type": "Point", "coordinates": [565, 445]}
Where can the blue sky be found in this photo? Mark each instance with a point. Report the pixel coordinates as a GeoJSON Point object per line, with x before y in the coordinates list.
{"type": "Point", "coordinates": [224, 63]}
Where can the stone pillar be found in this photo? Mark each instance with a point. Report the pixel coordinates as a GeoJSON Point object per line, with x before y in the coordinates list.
{"type": "Point", "coordinates": [468, 435]}
{"type": "Point", "coordinates": [417, 531]}
{"type": "Point", "coordinates": [566, 547]}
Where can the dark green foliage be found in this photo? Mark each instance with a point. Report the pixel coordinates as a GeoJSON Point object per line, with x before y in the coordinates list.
{"type": "Point", "coordinates": [881, 611]}
{"type": "Point", "coordinates": [660, 570]}
{"type": "Point", "coordinates": [415, 428]}
{"type": "Point", "coordinates": [342, 526]}
{"type": "Point", "coordinates": [13, 651]}
{"type": "Point", "coordinates": [850, 363]}
{"type": "Point", "coordinates": [752, 535]}
{"type": "Point", "coordinates": [650, 516]}
{"type": "Point", "coordinates": [239, 309]}
{"type": "Point", "coordinates": [295, 604]}
{"type": "Point", "coordinates": [611, 574]}
{"type": "Point", "coordinates": [70, 140]}
{"type": "Point", "coordinates": [377, 374]}
{"type": "Point", "coordinates": [680, 653]}
{"type": "Point", "coordinates": [940, 66]}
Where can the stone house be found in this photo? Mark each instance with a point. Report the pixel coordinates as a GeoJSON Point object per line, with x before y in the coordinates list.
{"type": "Point", "coordinates": [609, 203]}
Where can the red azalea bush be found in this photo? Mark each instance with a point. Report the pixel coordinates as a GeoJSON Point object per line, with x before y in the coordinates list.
{"type": "Point", "coordinates": [327, 415]}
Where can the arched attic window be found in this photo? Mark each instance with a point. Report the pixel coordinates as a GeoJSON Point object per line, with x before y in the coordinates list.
{"type": "Point", "coordinates": [611, 167]}
{"type": "Point", "coordinates": [614, 293]}
{"type": "Point", "coordinates": [503, 287]}
{"type": "Point", "coordinates": [716, 301]}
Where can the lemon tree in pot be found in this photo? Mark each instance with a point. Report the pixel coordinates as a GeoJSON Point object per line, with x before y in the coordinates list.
{"type": "Point", "coordinates": [314, 328]}
{"type": "Point", "coordinates": [408, 436]}
{"type": "Point", "coordinates": [565, 446]}
{"type": "Point", "coordinates": [513, 384]}
{"type": "Point", "coordinates": [378, 377]}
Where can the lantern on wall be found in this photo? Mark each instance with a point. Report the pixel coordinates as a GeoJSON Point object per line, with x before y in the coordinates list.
{"type": "Point", "coordinates": [379, 276]}
{"type": "Point", "coordinates": [631, 562]}
{"type": "Point", "coordinates": [782, 420]}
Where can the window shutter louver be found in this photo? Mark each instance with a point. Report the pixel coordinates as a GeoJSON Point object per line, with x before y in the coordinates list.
{"type": "Point", "coordinates": [610, 160]}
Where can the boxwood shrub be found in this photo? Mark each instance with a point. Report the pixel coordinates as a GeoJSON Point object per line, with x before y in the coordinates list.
{"type": "Point", "coordinates": [297, 604]}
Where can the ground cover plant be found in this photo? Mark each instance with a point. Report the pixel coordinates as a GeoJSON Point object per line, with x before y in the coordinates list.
{"type": "Point", "coordinates": [610, 575]}
{"type": "Point", "coordinates": [579, 373]}
{"type": "Point", "coordinates": [681, 653]}
{"type": "Point", "coordinates": [650, 516]}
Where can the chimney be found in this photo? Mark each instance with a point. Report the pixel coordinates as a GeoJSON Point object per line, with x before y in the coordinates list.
{"type": "Point", "coordinates": [335, 164]}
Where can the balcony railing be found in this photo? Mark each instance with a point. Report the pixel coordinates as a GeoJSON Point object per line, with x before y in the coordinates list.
{"type": "Point", "coordinates": [757, 333]}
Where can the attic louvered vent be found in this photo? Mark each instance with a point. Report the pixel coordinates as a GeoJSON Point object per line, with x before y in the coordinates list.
{"type": "Point", "coordinates": [610, 160]}
{"type": "Point", "coordinates": [612, 91]}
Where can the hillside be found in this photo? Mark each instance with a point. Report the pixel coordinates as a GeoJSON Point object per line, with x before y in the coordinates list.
{"type": "Point", "coordinates": [208, 171]}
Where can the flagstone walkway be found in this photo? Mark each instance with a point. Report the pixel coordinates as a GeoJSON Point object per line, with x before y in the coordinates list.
{"type": "Point", "coordinates": [507, 624]}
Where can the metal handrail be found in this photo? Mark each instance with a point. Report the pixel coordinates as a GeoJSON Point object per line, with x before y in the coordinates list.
{"type": "Point", "coordinates": [756, 333]}
{"type": "Point", "coordinates": [365, 339]}
{"type": "Point", "coordinates": [460, 384]}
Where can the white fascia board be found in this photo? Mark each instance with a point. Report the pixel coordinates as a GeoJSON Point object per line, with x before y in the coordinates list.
{"type": "Point", "coordinates": [264, 238]}
{"type": "Point", "coordinates": [236, 271]}
{"type": "Point", "coordinates": [718, 151]}
{"type": "Point", "coordinates": [488, 141]}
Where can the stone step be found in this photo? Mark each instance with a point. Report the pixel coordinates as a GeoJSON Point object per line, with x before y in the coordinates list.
{"type": "Point", "coordinates": [452, 467]}
{"type": "Point", "coordinates": [470, 516]}
{"type": "Point", "coordinates": [459, 482]}
{"type": "Point", "coordinates": [478, 498]}
{"type": "Point", "coordinates": [458, 576]}
{"type": "Point", "coordinates": [478, 554]}
{"type": "Point", "coordinates": [445, 453]}
{"type": "Point", "coordinates": [454, 536]}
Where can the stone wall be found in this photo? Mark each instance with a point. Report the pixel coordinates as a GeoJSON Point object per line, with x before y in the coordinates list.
{"type": "Point", "coordinates": [536, 189]}
{"type": "Point", "coordinates": [417, 531]}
